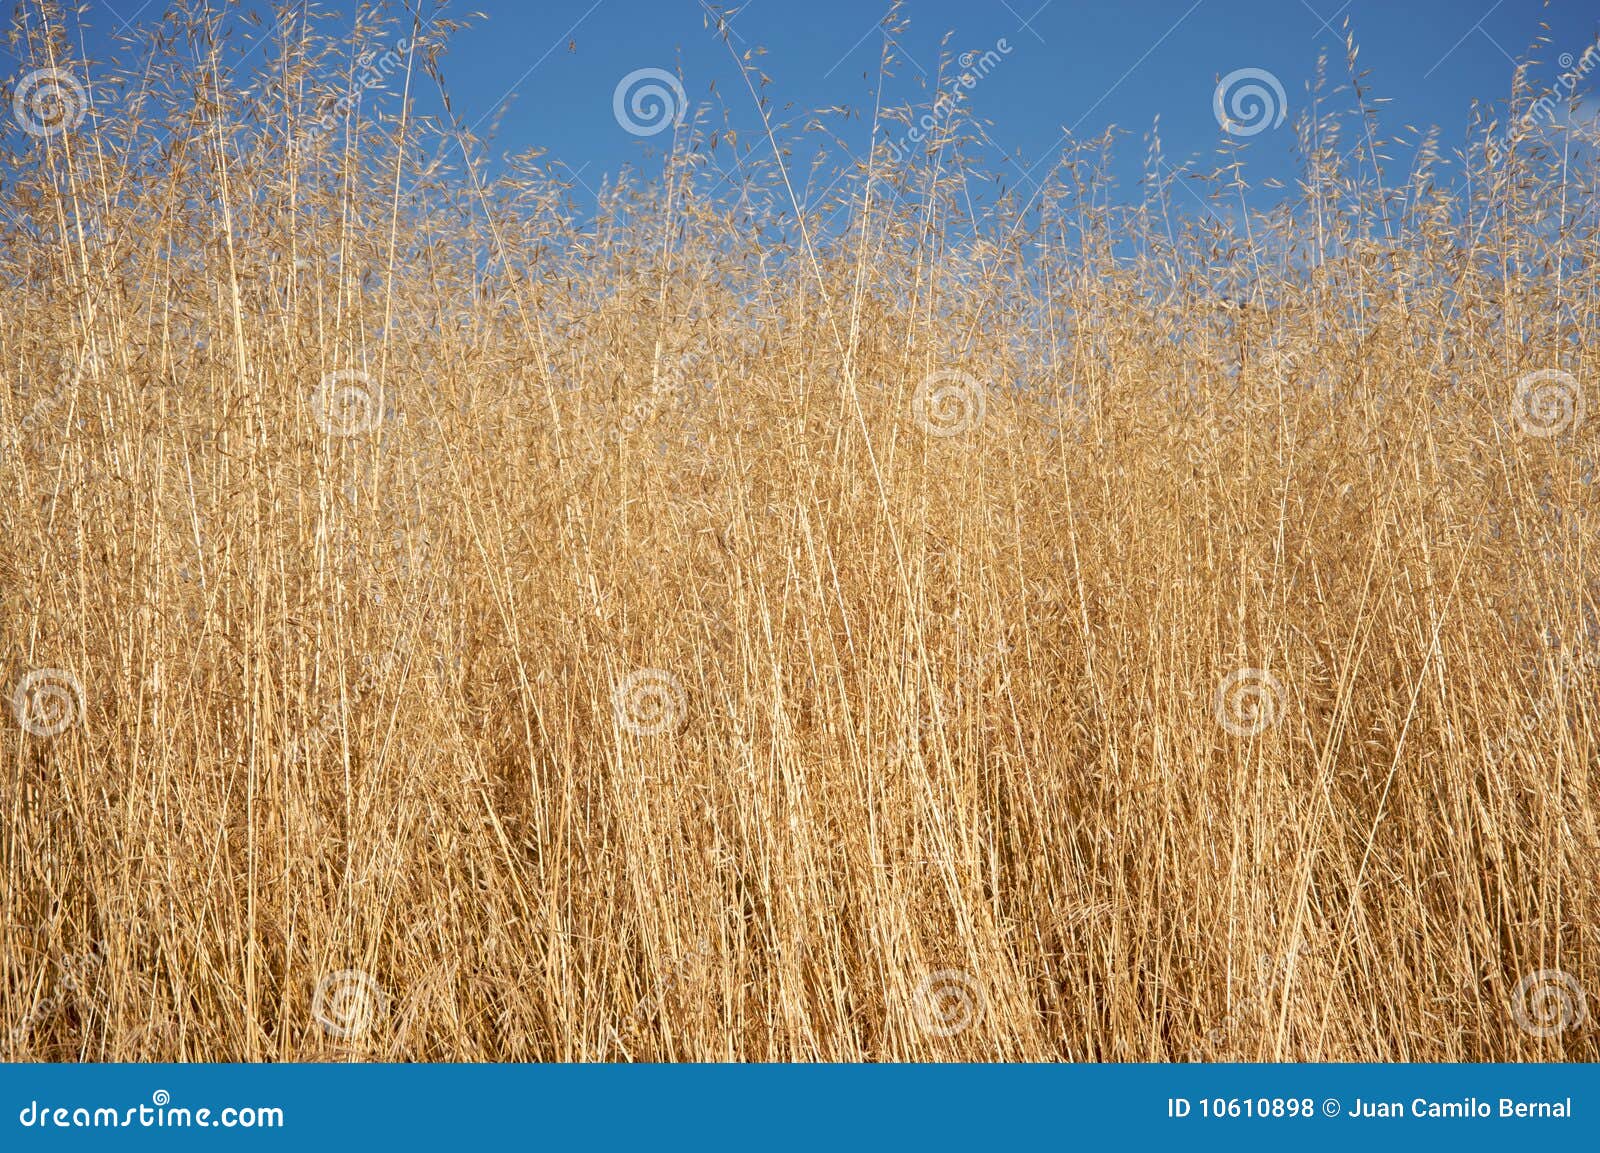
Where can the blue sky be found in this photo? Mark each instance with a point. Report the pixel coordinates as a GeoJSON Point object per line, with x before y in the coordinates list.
{"type": "Point", "coordinates": [544, 73]}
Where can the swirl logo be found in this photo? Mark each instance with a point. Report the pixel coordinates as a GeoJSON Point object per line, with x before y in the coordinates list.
{"type": "Point", "coordinates": [346, 1003]}
{"type": "Point", "coordinates": [648, 101]}
{"type": "Point", "coordinates": [1280, 362]}
{"type": "Point", "coordinates": [1248, 101]}
{"type": "Point", "coordinates": [47, 702]}
{"type": "Point", "coordinates": [161, 1097]}
{"type": "Point", "coordinates": [1548, 1002]}
{"type": "Point", "coordinates": [347, 403]}
{"type": "Point", "coordinates": [948, 1002]}
{"type": "Point", "coordinates": [649, 702]}
{"type": "Point", "coordinates": [49, 101]}
{"type": "Point", "coordinates": [1549, 402]}
{"type": "Point", "coordinates": [948, 403]}
{"type": "Point", "coordinates": [1247, 702]}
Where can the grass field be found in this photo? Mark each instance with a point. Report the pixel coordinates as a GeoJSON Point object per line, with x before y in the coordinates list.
{"type": "Point", "coordinates": [1117, 626]}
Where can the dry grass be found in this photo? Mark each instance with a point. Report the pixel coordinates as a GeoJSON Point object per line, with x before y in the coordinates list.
{"type": "Point", "coordinates": [937, 716]}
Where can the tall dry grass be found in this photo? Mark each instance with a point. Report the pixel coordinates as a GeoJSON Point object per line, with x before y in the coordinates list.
{"type": "Point", "coordinates": [508, 636]}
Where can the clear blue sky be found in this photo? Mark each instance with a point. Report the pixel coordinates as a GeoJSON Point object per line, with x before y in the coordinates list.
{"type": "Point", "coordinates": [552, 66]}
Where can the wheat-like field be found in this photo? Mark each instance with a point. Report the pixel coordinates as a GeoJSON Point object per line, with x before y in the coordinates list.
{"type": "Point", "coordinates": [776, 621]}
